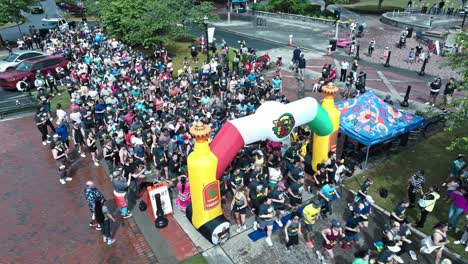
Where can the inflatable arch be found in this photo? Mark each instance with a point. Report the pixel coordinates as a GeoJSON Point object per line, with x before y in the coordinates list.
{"type": "Point", "coordinates": [207, 163]}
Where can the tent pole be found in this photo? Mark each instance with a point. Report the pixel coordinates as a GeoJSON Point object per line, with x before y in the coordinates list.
{"type": "Point", "coordinates": [367, 156]}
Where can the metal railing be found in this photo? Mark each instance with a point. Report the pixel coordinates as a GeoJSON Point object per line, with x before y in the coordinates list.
{"type": "Point", "coordinates": [294, 17]}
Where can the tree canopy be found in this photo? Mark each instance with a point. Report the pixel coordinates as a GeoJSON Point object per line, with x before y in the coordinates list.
{"type": "Point", "coordinates": [10, 10]}
{"type": "Point", "coordinates": [147, 22]}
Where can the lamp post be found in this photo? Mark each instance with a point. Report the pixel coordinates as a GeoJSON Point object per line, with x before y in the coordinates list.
{"type": "Point", "coordinates": [205, 22]}
{"type": "Point", "coordinates": [229, 12]}
{"type": "Point", "coordinates": [464, 17]}
{"type": "Point", "coordinates": [254, 4]}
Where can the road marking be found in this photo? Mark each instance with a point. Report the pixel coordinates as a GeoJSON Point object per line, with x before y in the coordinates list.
{"type": "Point", "coordinates": [389, 85]}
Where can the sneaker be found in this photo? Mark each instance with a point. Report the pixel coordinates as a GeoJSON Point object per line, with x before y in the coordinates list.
{"type": "Point", "coordinates": [413, 255]}
{"type": "Point", "coordinates": [128, 215]}
{"type": "Point", "coordinates": [279, 223]}
{"type": "Point", "coordinates": [466, 249]}
{"type": "Point", "coordinates": [244, 227]}
{"type": "Point", "coordinates": [255, 225]}
{"type": "Point", "coordinates": [427, 103]}
{"type": "Point", "coordinates": [319, 255]}
{"type": "Point", "coordinates": [268, 240]}
{"type": "Point", "coordinates": [68, 179]}
{"type": "Point", "coordinates": [62, 181]}
{"type": "Point", "coordinates": [92, 223]}
{"type": "Point", "coordinates": [44, 143]}
{"type": "Point", "coordinates": [398, 259]}
{"type": "Point", "coordinates": [239, 229]}
{"type": "Point", "coordinates": [83, 155]}
{"type": "Point", "coordinates": [432, 104]}
{"type": "Point", "coordinates": [48, 141]}
{"type": "Point", "coordinates": [59, 94]}
{"type": "Point", "coordinates": [110, 241]}
{"type": "Point", "coordinates": [96, 164]}
{"type": "Point", "coordinates": [288, 250]}
{"type": "Point", "coordinates": [98, 227]}
{"type": "Point", "coordinates": [310, 244]}
{"type": "Point", "coordinates": [457, 242]}
{"type": "Point", "coordinates": [104, 239]}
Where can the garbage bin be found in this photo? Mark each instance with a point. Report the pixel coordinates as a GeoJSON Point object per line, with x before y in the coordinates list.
{"type": "Point", "coordinates": [332, 43]}
{"type": "Point", "coordinates": [410, 32]}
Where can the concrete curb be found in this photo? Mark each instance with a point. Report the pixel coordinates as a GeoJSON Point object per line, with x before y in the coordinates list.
{"type": "Point", "coordinates": [414, 230]}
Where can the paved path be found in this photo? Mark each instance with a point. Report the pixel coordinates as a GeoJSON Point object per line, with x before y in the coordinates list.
{"type": "Point", "coordinates": [46, 222]}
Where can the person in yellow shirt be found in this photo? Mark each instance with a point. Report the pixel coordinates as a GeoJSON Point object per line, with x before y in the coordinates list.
{"type": "Point", "coordinates": [427, 204]}
{"type": "Point", "coordinates": [310, 214]}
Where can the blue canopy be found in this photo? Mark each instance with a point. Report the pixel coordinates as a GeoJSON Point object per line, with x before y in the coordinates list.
{"type": "Point", "coordinates": [370, 120]}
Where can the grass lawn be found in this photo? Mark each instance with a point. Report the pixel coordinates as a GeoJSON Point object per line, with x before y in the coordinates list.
{"type": "Point", "coordinates": [197, 259]}
{"type": "Point", "coordinates": [371, 5]}
{"type": "Point", "coordinates": [394, 172]}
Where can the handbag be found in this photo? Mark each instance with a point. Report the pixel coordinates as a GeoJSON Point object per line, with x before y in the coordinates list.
{"type": "Point", "coordinates": [422, 202]}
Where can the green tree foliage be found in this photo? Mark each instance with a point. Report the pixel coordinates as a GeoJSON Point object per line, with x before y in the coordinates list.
{"type": "Point", "coordinates": [459, 117]}
{"type": "Point", "coordinates": [10, 10]}
{"type": "Point", "coordinates": [147, 22]}
{"type": "Point", "coordinates": [379, 7]}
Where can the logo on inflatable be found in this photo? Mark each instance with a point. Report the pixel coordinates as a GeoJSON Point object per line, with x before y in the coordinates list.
{"type": "Point", "coordinates": [211, 195]}
{"type": "Point", "coordinates": [283, 125]}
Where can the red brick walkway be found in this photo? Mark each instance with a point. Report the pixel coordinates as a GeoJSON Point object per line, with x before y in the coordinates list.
{"type": "Point", "coordinates": [46, 222]}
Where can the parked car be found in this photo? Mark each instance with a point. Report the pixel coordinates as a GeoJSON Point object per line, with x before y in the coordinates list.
{"type": "Point", "coordinates": [36, 9]}
{"type": "Point", "coordinates": [28, 69]}
{"type": "Point", "coordinates": [72, 8]}
{"type": "Point", "coordinates": [10, 62]}
{"type": "Point", "coordinates": [53, 23]}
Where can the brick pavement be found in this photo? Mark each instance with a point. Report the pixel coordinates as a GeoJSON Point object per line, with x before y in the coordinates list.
{"type": "Point", "coordinates": [46, 222]}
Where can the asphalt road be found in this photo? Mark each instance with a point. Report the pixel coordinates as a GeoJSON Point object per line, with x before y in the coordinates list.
{"type": "Point", "coordinates": [232, 40]}
{"type": "Point", "coordinates": [50, 11]}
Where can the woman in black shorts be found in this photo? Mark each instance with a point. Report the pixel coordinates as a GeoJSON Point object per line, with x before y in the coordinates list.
{"type": "Point", "coordinates": [239, 206]}
{"type": "Point", "coordinates": [91, 142]}
{"type": "Point", "coordinates": [78, 139]}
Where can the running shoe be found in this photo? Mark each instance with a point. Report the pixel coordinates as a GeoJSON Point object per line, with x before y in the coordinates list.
{"type": "Point", "coordinates": [44, 143]}
{"type": "Point", "coordinates": [92, 223]}
{"type": "Point", "coordinates": [104, 239]}
{"type": "Point", "coordinates": [279, 223]}
{"type": "Point", "coordinates": [68, 179]}
{"type": "Point", "coordinates": [96, 163]}
{"type": "Point", "coordinates": [83, 155]}
{"type": "Point", "coordinates": [98, 227]}
{"type": "Point", "coordinates": [62, 181]}
{"type": "Point", "coordinates": [128, 215]}
{"type": "Point", "coordinates": [110, 241]}
{"type": "Point", "coordinates": [398, 259]}
{"type": "Point", "coordinates": [244, 227]}
{"type": "Point", "coordinates": [457, 242]}
{"type": "Point", "coordinates": [255, 225]}
{"type": "Point", "coordinates": [413, 255]}
{"type": "Point", "coordinates": [268, 240]}
{"type": "Point", "coordinates": [310, 244]}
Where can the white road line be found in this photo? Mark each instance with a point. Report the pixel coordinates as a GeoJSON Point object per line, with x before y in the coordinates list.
{"type": "Point", "coordinates": [389, 85]}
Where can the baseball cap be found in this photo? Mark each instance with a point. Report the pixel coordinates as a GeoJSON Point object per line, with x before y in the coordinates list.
{"type": "Point", "coordinates": [336, 223]}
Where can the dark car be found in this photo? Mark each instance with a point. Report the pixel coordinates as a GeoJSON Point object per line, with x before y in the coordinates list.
{"type": "Point", "coordinates": [36, 9]}
{"type": "Point", "coordinates": [28, 69]}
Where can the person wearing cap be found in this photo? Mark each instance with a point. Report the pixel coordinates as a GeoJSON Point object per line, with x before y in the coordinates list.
{"type": "Point", "coordinates": [388, 99]}
{"type": "Point", "coordinates": [389, 254]}
{"type": "Point", "coordinates": [266, 213]}
{"type": "Point", "coordinates": [331, 235]}
{"type": "Point", "coordinates": [310, 213]}
{"type": "Point", "coordinates": [292, 230]}
{"type": "Point", "coordinates": [121, 186]}
{"type": "Point", "coordinates": [352, 229]}
{"type": "Point", "coordinates": [91, 194]}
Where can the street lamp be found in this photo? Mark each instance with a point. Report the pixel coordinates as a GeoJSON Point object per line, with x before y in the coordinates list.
{"type": "Point", "coordinates": [205, 22]}
{"type": "Point", "coordinates": [254, 3]}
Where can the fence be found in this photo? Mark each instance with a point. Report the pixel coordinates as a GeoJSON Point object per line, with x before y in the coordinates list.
{"type": "Point", "coordinates": [294, 17]}
{"type": "Point", "coordinates": [432, 11]}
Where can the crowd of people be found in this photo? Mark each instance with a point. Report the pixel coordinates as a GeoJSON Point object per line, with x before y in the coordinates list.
{"type": "Point", "coordinates": [135, 111]}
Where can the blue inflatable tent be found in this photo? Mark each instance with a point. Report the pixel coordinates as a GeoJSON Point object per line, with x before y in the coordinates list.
{"type": "Point", "coordinates": [369, 120]}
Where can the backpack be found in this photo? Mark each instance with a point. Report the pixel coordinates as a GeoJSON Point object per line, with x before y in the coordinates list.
{"type": "Point", "coordinates": [383, 192]}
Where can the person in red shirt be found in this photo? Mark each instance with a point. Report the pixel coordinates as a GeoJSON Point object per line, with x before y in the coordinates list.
{"type": "Point", "coordinates": [129, 117]}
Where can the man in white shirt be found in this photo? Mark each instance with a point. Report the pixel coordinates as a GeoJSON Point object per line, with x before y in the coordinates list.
{"type": "Point", "coordinates": [61, 114]}
{"type": "Point", "coordinates": [344, 69]}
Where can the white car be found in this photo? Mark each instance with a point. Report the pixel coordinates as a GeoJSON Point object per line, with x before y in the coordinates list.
{"type": "Point", "coordinates": [51, 23]}
{"type": "Point", "coordinates": [10, 62]}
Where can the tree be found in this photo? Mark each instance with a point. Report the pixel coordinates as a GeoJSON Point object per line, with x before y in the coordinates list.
{"type": "Point", "coordinates": [10, 10]}
{"type": "Point", "coordinates": [458, 119]}
{"type": "Point", "coordinates": [147, 22]}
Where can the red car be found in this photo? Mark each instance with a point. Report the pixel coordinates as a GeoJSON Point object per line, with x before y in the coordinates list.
{"type": "Point", "coordinates": [72, 8]}
{"type": "Point", "coordinates": [28, 69]}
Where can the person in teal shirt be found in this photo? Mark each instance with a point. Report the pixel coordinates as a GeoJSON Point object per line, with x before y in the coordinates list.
{"type": "Point", "coordinates": [362, 257]}
{"type": "Point", "coordinates": [277, 84]}
{"type": "Point", "coordinates": [136, 92]}
{"type": "Point", "coordinates": [205, 99]}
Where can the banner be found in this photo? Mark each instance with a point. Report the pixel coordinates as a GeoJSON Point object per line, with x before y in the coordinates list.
{"type": "Point", "coordinates": [211, 31]}
{"type": "Point", "coordinates": [165, 198]}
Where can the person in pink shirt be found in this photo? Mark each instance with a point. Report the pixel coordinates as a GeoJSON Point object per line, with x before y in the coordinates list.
{"type": "Point", "coordinates": [183, 198]}
{"type": "Point", "coordinates": [458, 207]}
